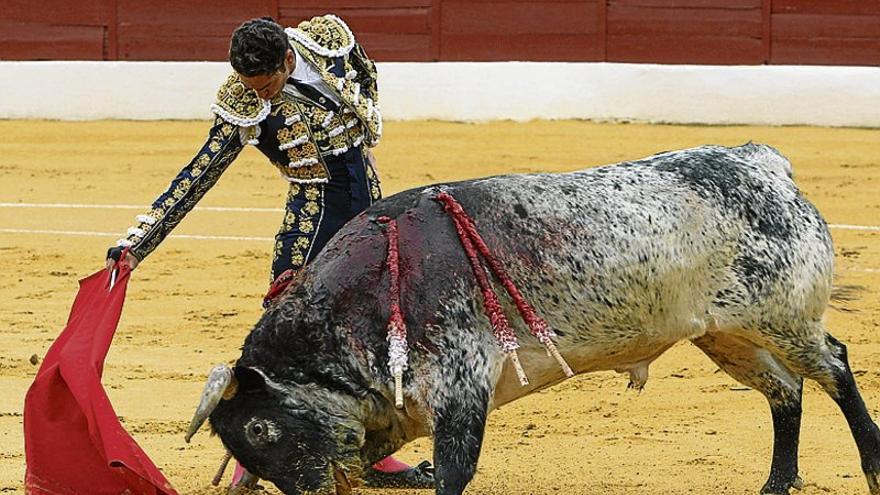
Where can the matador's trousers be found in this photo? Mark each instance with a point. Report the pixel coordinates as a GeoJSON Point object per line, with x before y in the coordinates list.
{"type": "Point", "coordinates": [316, 211]}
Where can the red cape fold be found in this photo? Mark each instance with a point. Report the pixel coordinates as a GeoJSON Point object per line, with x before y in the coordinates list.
{"type": "Point", "coordinates": [74, 443]}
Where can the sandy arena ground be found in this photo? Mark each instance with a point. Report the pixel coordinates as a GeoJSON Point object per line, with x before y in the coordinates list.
{"type": "Point", "coordinates": [190, 305]}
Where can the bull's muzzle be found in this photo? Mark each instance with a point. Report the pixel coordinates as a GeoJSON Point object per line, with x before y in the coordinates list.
{"type": "Point", "coordinates": [222, 385]}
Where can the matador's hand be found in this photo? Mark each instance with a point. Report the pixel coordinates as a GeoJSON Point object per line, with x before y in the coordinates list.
{"type": "Point", "coordinates": [113, 255]}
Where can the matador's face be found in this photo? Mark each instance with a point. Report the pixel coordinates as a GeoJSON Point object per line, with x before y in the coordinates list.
{"type": "Point", "coordinates": [269, 86]}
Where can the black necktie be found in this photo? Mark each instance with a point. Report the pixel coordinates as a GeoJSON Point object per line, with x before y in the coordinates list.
{"type": "Point", "coordinates": [313, 94]}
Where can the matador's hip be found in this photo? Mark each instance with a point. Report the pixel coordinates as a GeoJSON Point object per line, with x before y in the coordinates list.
{"type": "Point", "coordinates": [316, 211]}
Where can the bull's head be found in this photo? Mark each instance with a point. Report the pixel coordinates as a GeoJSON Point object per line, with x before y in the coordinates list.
{"type": "Point", "coordinates": [279, 433]}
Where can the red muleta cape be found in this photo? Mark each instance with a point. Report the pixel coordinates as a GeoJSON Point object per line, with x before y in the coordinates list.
{"type": "Point", "coordinates": [74, 444]}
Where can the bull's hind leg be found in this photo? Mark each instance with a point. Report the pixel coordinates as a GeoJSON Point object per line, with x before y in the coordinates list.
{"type": "Point", "coordinates": [863, 428]}
{"type": "Point", "coordinates": [817, 355]}
{"type": "Point", "coordinates": [759, 369]}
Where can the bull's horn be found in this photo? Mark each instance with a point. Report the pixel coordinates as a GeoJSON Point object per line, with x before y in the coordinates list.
{"type": "Point", "coordinates": [222, 384]}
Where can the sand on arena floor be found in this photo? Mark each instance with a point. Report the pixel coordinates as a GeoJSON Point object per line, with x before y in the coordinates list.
{"type": "Point", "coordinates": [190, 305]}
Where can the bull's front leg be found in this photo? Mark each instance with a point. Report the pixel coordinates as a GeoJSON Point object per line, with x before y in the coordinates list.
{"type": "Point", "coordinates": [458, 437]}
{"type": "Point", "coordinates": [460, 406]}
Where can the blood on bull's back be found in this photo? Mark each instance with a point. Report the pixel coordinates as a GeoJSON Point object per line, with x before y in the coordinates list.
{"type": "Point", "coordinates": [625, 260]}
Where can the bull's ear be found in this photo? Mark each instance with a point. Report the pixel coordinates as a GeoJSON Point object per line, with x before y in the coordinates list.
{"type": "Point", "coordinates": [252, 378]}
{"type": "Point", "coordinates": [249, 378]}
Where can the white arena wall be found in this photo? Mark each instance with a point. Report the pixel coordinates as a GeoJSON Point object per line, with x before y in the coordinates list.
{"type": "Point", "coordinates": [474, 91]}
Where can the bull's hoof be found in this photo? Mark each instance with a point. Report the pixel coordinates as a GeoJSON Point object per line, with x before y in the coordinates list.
{"type": "Point", "coordinates": [421, 476]}
{"type": "Point", "coordinates": [782, 487]}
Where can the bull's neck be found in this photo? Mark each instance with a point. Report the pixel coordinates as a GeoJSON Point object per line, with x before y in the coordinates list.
{"type": "Point", "coordinates": [387, 427]}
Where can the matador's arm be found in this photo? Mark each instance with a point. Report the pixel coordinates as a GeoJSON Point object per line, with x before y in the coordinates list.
{"type": "Point", "coordinates": [194, 180]}
{"type": "Point", "coordinates": [239, 112]}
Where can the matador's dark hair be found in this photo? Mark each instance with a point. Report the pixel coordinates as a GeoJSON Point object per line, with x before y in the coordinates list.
{"type": "Point", "coordinates": [258, 47]}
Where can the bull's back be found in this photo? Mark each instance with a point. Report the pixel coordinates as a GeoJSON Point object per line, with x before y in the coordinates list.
{"type": "Point", "coordinates": [636, 254]}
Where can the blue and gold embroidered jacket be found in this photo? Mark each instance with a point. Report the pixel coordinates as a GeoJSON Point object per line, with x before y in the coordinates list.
{"type": "Point", "coordinates": [297, 133]}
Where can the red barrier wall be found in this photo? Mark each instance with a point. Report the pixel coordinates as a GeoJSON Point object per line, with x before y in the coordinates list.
{"type": "Point", "coordinates": [836, 32]}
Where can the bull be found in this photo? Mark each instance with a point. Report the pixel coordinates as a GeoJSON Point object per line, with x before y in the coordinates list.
{"type": "Point", "coordinates": [712, 245]}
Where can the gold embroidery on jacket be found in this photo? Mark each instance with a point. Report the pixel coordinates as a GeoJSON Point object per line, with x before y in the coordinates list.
{"type": "Point", "coordinates": [359, 93]}
{"type": "Point", "coordinates": [326, 35]}
{"type": "Point", "coordinates": [297, 140]}
{"type": "Point", "coordinates": [238, 104]}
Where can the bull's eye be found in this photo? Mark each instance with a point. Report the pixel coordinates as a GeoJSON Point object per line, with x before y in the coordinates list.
{"type": "Point", "coordinates": [262, 431]}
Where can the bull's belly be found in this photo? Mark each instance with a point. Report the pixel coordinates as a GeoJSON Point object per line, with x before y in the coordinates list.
{"type": "Point", "coordinates": [625, 337]}
{"type": "Point", "coordinates": [631, 355]}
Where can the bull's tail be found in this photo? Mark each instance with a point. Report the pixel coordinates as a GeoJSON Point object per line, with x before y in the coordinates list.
{"type": "Point", "coordinates": [765, 155]}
